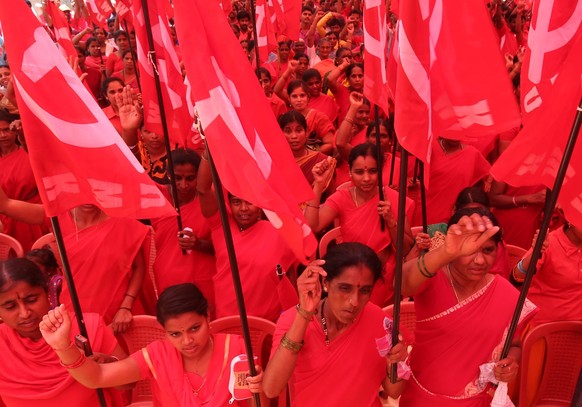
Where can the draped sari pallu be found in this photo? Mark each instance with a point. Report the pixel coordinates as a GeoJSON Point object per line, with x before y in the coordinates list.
{"type": "Point", "coordinates": [452, 343]}
{"type": "Point", "coordinates": [32, 375]}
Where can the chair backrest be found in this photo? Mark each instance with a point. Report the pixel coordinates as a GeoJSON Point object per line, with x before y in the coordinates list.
{"type": "Point", "coordinates": [334, 234]}
{"type": "Point", "coordinates": [559, 346]}
{"type": "Point", "coordinates": [407, 318]}
{"type": "Point", "coordinates": [514, 254]}
{"type": "Point", "coordinates": [9, 247]}
{"type": "Point", "coordinates": [50, 241]}
{"type": "Point", "coordinates": [144, 330]}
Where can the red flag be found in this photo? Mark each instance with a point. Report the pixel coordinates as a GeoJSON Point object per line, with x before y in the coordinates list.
{"type": "Point", "coordinates": [61, 30]}
{"type": "Point", "coordinates": [292, 12]}
{"type": "Point", "coordinates": [451, 78]}
{"type": "Point", "coordinates": [247, 145]}
{"type": "Point", "coordinates": [551, 35]}
{"type": "Point", "coordinates": [76, 154]}
{"type": "Point", "coordinates": [99, 11]}
{"type": "Point", "coordinates": [375, 28]}
{"type": "Point", "coordinates": [122, 8]}
{"type": "Point", "coordinates": [178, 118]}
{"type": "Point", "coordinates": [265, 32]}
{"type": "Point", "coordinates": [534, 156]}
{"type": "Point", "coordinates": [277, 16]}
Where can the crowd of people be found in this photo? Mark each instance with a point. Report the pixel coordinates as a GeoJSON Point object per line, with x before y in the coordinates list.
{"type": "Point", "coordinates": [328, 313]}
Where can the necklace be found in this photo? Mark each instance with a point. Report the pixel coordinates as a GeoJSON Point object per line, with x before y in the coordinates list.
{"type": "Point", "coordinates": [324, 324]}
{"type": "Point", "coordinates": [195, 391]}
{"type": "Point", "coordinates": [452, 285]}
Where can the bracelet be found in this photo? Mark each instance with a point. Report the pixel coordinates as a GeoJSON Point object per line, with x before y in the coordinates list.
{"type": "Point", "coordinates": [127, 308]}
{"type": "Point", "coordinates": [514, 201]}
{"type": "Point", "coordinates": [347, 119]}
{"type": "Point", "coordinates": [76, 364]}
{"type": "Point", "coordinates": [131, 296]}
{"type": "Point", "coordinates": [293, 346]}
{"type": "Point", "coordinates": [422, 267]}
{"type": "Point", "coordinates": [520, 268]}
{"type": "Point", "coordinates": [307, 315]}
{"type": "Point", "coordinates": [69, 346]}
{"type": "Point", "coordinates": [312, 206]}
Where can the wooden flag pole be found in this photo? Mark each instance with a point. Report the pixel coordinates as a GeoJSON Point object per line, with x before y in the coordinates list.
{"type": "Point", "coordinates": [379, 162]}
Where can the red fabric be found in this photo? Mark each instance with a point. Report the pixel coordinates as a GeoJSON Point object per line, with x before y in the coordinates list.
{"type": "Point", "coordinates": [61, 30]}
{"type": "Point", "coordinates": [234, 114]}
{"type": "Point", "coordinates": [519, 224]}
{"type": "Point", "coordinates": [277, 105]}
{"type": "Point", "coordinates": [259, 249]}
{"type": "Point", "coordinates": [32, 376]}
{"type": "Point", "coordinates": [450, 174]}
{"type": "Point", "coordinates": [93, 81]}
{"type": "Point", "coordinates": [547, 52]}
{"type": "Point", "coordinates": [375, 41]}
{"type": "Point", "coordinates": [329, 375]}
{"type": "Point", "coordinates": [276, 69]}
{"type": "Point", "coordinates": [78, 162]}
{"type": "Point", "coordinates": [319, 123]}
{"type": "Point", "coordinates": [438, 96]}
{"type": "Point", "coordinates": [174, 92]}
{"type": "Point", "coordinates": [291, 11]}
{"type": "Point", "coordinates": [101, 257]}
{"type": "Point", "coordinates": [99, 11]}
{"type": "Point", "coordinates": [133, 83]}
{"type": "Point", "coordinates": [122, 8]}
{"type": "Point", "coordinates": [557, 287]}
{"type": "Point", "coordinates": [324, 104]}
{"type": "Point", "coordinates": [342, 98]}
{"type": "Point", "coordinates": [324, 66]}
{"type": "Point", "coordinates": [114, 63]}
{"type": "Point", "coordinates": [533, 158]}
{"type": "Point", "coordinates": [171, 266]}
{"type": "Point", "coordinates": [265, 33]}
{"type": "Point", "coordinates": [113, 118]}
{"type": "Point", "coordinates": [17, 181]}
{"type": "Point", "coordinates": [173, 386]}
{"type": "Point", "coordinates": [459, 336]}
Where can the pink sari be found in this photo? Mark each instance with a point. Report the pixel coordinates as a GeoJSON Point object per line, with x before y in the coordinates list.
{"type": "Point", "coordinates": [453, 339]}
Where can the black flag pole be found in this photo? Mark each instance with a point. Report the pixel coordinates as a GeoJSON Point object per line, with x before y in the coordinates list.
{"type": "Point", "coordinates": [399, 252]}
{"type": "Point", "coordinates": [531, 270]}
{"type": "Point", "coordinates": [74, 296]}
{"type": "Point", "coordinates": [423, 196]}
{"type": "Point", "coordinates": [393, 161]}
{"type": "Point", "coordinates": [233, 267]}
{"type": "Point", "coordinates": [379, 162]}
{"type": "Point", "coordinates": [255, 38]}
{"type": "Point", "coordinates": [170, 171]}
{"type": "Point", "coordinates": [134, 53]}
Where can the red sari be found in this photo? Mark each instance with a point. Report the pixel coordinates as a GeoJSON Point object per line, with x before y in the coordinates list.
{"type": "Point", "coordinates": [32, 375]}
{"type": "Point", "coordinates": [259, 249]}
{"type": "Point", "coordinates": [101, 257]}
{"type": "Point", "coordinates": [162, 363]}
{"type": "Point", "coordinates": [171, 266]}
{"type": "Point", "coordinates": [453, 339]}
{"type": "Point", "coordinates": [449, 175]}
{"type": "Point", "coordinates": [17, 181]}
{"type": "Point", "coordinates": [347, 372]}
{"type": "Point", "coordinates": [324, 104]}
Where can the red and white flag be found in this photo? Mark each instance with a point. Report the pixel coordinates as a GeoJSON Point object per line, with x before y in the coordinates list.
{"type": "Point", "coordinates": [122, 8]}
{"type": "Point", "coordinates": [451, 79]}
{"type": "Point", "coordinates": [375, 28]}
{"type": "Point", "coordinates": [61, 30]}
{"type": "Point", "coordinates": [99, 12]}
{"type": "Point", "coordinates": [266, 40]}
{"type": "Point", "coordinates": [534, 156]}
{"type": "Point", "coordinates": [248, 147]}
{"type": "Point", "coordinates": [554, 28]}
{"type": "Point", "coordinates": [76, 154]}
{"type": "Point", "coordinates": [277, 16]}
{"type": "Point", "coordinates": [291, 10]}
{"type": "Point", "coordinates": [178, 119]}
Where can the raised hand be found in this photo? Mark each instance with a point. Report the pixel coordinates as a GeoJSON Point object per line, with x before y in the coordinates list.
{"type": "Point", "coordinates": [55, 328]}
{"type": "Point", "coordinates": [468, 235]}
{"type": "Point", "coordinates": [129, 112]}
{"type": "Point", "coordinates": [323, 171]}
{"type": "Point", "coordinates": [309, 285]}
{"type": "Point", "coordinates": [356, 99]}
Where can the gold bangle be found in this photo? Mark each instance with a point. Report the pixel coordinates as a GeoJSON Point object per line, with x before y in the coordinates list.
{"type": "Point", "coordinates": [304, 313]}
{"type": "Point", "coordinates": [293, 346]}
{"type": "Point", "coordinates": [350, 121]}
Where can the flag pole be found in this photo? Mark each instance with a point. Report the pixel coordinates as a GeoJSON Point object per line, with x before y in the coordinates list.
{"type": "Point", "coordinates": [531, 270]}
{"type": "Point", "coordinates": [422, 196]}
{"type": "Point", "coordinates": [255, 38]}
{"type": "Point", "coordinates": [379, 162]}
{"type": "Point", "coordinates": [233, 267]}
{"type": "Point", "coordinates": [393, 161]}
{"type": "Point", "coordinates": [399, 253]}
{"type": "Point", "coordinates": [132, 54]}
{"type": "Point", "coordinates": [74, 297]}
{"type": "Point", "coordinates": [170, 170]}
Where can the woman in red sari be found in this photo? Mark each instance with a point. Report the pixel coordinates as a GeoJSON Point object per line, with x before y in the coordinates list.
{"type": "Point", "coordinates": [326, 348]}
{"type": "Point", "coordinates": [128, 73]}
{"type": "Point", "coordinates": [198, 264]}
{"type": "Point", "coordinates": [358, 210]}
{"type": "Point", "coordinates": [189, 368]}
{"type": "Point", "coordinates": [260, 250]}
{"type": "Point", "coordinates": [462, 313]}
{"type": "Point", "coordinates": [115, 59]}
{"type": "Point", "coordinates": [17, 181]}
{"type": "Point", "coordinates": [31, 374]}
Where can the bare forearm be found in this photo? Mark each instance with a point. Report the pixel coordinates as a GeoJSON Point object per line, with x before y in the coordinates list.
{"type": "Point", "coordinates": [413, 279]}
{"type": "Point", "coordinates": [23, 211]}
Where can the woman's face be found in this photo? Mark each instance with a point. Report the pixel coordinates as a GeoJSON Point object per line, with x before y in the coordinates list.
{"type": "Point", "coordinates": [363, 115]}
{"type": "Point", "coordinates": [296, 136]}
{"type": "Point", "coordinates": [245, 214]}
{"type": "Point", "coordinates": [4, 76]}
{"type": "Point", "coordinates": [356, 79]}
{"type": "Point", "coordinates": [332, 38]}
{"type": "Point", "coordinates": [153, 140]}
{"type": "Point", "coordinates": [113, 88]}
{"type": "Point", "coordinates": [7, 136]}
{"type": "Point", "coordinates": [302, 66]}
{"type": "Point", "coordinates": [313, 86]}
{"type": "Point", "coordinates": [299, 99]}
{"type": "Point", "coordinates": [100, 35]}
{"type": "Point", "coordinates": [122, 42]}
{"type": "Point", "coordinates": [349, 292]}
{"type": "Point", "coordinates": [128, 61]}
{"type": "Point", "coordinates": [265, 82]}
{"type": "Point", "coordinates": [94, 49]}
{"type": "Point", "coordinates": [385, 142]}
{"type": "Point", "coordinates": [474, 267]}
{"type": "Point", "coordinates": [185, 182]}
{"type": "Point", "coordinates": [364, 173]}
{"type": "Point", "coordinates": [284, 52]}
{"type": "Point", "coordinates": [22, 307]}
{"type": "Point", "coordinates": [189, 333]}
